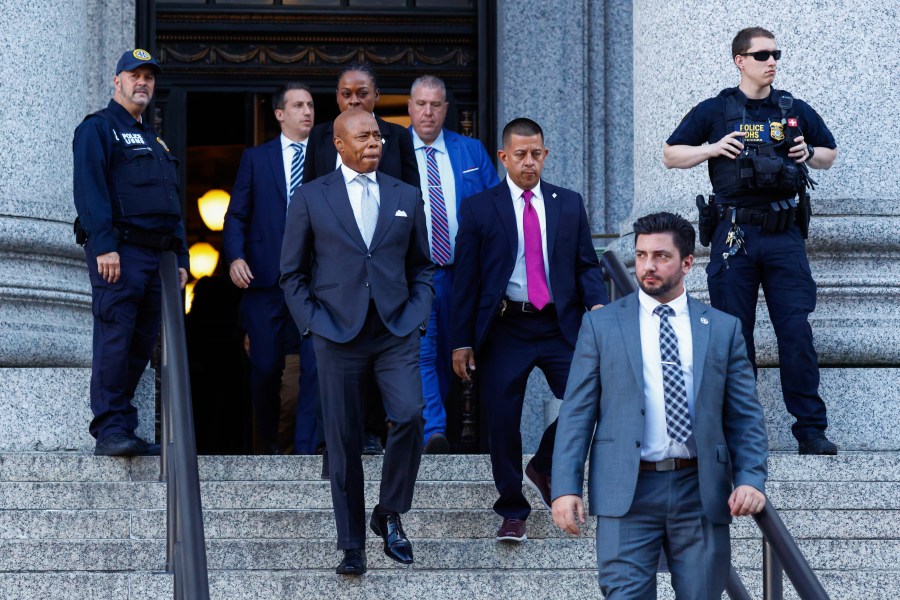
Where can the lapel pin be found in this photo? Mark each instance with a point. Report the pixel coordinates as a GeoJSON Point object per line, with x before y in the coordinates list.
{"type": "Point", "coordinates": [704, 320]}
{"type": "Point", "coordinates": [554, 194]}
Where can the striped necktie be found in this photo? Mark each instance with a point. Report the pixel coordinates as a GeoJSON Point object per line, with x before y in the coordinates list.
{"type": "Point", "coordinates": [678, 415]}
{"type": "Point", "coordinates": [296, 169]}
{"type": "Point", "coordinates": [440, 229]}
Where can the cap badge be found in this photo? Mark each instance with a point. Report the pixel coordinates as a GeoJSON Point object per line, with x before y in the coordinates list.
{"type": "Point", "coordinates": [141, 54]}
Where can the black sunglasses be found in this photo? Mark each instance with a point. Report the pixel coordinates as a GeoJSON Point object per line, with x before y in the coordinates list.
{"type": "Point", "coordinates": [763, 55]}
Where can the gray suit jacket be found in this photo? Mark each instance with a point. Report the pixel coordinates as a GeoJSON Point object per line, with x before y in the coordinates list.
{"type": "Point", "coordinates": [603, 411]}
{"type": "Point", "coordinates": [327, 273]}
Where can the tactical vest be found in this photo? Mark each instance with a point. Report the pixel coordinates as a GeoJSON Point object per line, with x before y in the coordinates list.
{"type": "Point", "coordinates": [763, 167]}
{"type": "Point", "coordinates": [141, 181]}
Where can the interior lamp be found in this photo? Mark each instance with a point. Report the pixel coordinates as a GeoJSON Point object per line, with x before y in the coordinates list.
{"type": "Point", "coordinates": [189, 296]}
{"type": "Point", "coordinates": [213, 205]}
{"type": "Point", "coordinates": [204, 259]}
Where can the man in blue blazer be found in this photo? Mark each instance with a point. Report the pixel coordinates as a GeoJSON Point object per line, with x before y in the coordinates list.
{"type": "Point", "coordinates": [251, 239]}
{"type": "Point", "coordinates": [357, 87]}
{"type": "Point", "coordinates": [525, 273]}
{"type": "Point", "coordinates": [356, 272]}
{"type": "Point", "coordinates": [451, 167]}
{"type": "Point", "coordinates": [663, 395]}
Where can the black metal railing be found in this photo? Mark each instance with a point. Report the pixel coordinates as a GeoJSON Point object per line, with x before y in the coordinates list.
{"type": "Point", "coordinates": [780, 551]}
{"type": "Point", "coordinates": [185, 543]}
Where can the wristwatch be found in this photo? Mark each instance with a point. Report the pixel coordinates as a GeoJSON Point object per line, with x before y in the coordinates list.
{"type": "Point", "coordinates": [812, 151]}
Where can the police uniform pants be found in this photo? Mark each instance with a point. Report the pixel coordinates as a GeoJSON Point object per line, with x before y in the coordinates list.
{"type": "Point", "coordinates": [778, 262]}
{"type": "Point", "coordinates": [126, 324]}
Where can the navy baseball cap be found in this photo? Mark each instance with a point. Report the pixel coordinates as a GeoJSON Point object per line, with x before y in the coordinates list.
{"type": "Point", "coordinates": [132, 59]}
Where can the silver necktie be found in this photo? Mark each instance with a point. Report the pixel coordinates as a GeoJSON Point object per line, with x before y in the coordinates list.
{"type": "Point", "coordinates": [369, 210]}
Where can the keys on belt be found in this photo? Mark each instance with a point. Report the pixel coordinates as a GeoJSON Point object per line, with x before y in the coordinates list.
{"type": "Point", "coordinates": [669, 464]}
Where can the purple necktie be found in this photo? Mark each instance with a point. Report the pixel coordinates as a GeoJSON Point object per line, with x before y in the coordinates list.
{"type": "Point", "coordinates": [538, 293]}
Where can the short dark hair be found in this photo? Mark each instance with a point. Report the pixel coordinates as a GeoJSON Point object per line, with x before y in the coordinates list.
{"type": "Point", "coordinates": [278, 97]}
{"type": "Point", "coordinates": [665, 222]}
{"type": "Point", "coordinates": [362, 68]}
{"type": "Point", "coordinates": [523, 127]}
{"type": "Point", "coordinates": [741, 42]}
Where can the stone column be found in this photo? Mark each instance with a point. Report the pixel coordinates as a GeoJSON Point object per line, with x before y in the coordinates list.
{"type": "Point", "coordinates": [57, 66]}
{"type": "Point", "coordinates": [842, 60]}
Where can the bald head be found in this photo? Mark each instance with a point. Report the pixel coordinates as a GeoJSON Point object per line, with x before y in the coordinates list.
{"type": "Point", "coordinates": [358, 140]}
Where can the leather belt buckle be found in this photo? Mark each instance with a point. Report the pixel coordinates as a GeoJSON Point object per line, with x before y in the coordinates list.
{"type": "Point", "coordinates": [525, 306]}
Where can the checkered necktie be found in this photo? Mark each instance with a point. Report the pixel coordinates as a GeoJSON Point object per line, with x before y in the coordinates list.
{"type": "Point", "coordinates": [440, 230]}
{"type": "Point", "coordinates": [678, 415]}
{"type": "Point", "coordinates": [296, 169]}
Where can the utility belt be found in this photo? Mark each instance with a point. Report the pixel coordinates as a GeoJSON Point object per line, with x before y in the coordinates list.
{"type": "Point", "coordinates": [780, 216]}
{"type": "Point", "coordinates": [134, 235]}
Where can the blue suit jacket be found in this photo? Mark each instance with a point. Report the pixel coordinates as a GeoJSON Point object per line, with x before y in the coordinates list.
{"type": "Point", "coordinates": [486, 248]}
{"type": "Point", "coordinates": [473, 170]}
{"type": "Point", "coordinates": [327, 273]}
{"type": "Point", "coordinates": [603, 411]}
{"type": "Point", "coordinates": [254, 223]}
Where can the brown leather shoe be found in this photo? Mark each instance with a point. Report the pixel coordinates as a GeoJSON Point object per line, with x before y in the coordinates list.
{"type": "Point", "coordinates": [512, 530]}
{"type": "Point", "coordinates": [539, 483]}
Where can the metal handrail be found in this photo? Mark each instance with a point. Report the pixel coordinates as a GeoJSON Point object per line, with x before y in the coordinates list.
{"type": "Point", "coordinates": [780, 550]}
{"type": "Point", "coordinates": [185, 542]}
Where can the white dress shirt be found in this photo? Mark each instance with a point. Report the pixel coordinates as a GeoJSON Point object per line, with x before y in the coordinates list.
{"type": "Point", "coordinates": [657, 444]}
{"type": "Point", "coordinates": [355, 191]}
{"type": "Point", "coordinates": [448, 184]}
{"type": "Point", "coordinates": [287, 156]}
{"type": "Point", "coordinates": [517, 288]}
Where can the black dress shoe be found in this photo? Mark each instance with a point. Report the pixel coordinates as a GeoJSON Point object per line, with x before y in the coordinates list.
{"type": "Point", "coordinates": [396, 545]}
{"type": "Point", "coordinates": [817, 443]}
{"type": "Point", "coordinates": [354, 562]}
{"type": "Point", "coordinates": [326, 470]}
{"type": "Point", "coordinates": [116, 444]}
{"type": "Point", "coordinates": [372, 444]}
{"type": "Point", "coordinates": [145, 448]}
{"type": "Point", "coordinates": [437, 444]}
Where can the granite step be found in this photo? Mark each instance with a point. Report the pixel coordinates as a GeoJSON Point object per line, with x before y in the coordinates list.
{"type": "Point", "coordinates": [411, 583]}
{"type": "Point", "coordinates": [439, 524]}
{"type": "Point", "coordinates": [75, 467]}
{"type": "Point", "coordinates": [431, 554]}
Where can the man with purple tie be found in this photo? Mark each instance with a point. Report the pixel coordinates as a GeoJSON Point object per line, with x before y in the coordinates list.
{"type": "Point", "coordinates": [526, 271]}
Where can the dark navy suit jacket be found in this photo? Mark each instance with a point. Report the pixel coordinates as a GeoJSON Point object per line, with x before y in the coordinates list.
{"type": "Point", "coordinates": [329, 275]}
{"type": "Point", "coordinates": [254, 223]}
{"type": "Point", "coordinates": [398, 158]}
{"type": "Point", "coordinates": [486, 248]}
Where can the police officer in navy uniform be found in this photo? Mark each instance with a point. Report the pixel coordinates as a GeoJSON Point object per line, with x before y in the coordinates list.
{"type": "Point", "coordinates": [129, 213]}
{"type": "Point", "coordinates": [758, 143]}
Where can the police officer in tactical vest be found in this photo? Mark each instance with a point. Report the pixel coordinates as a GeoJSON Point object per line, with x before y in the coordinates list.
{"type": "Point", "coordinates": [759, 143]}
{"type": "Point", "coordinates": [129, 213]}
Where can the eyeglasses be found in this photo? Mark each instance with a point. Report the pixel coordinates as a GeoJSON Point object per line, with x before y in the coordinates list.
{"type": "Point", "coordinates": [763, 55]}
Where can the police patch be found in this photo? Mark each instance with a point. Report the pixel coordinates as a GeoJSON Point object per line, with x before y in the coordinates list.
{"type": "Point", "coordinates": [163, 144]}
{"type": "Point", "coordinates": [141, 54]}
{"type": "Point", "coordinates": [776, 131]}
{"type": "Point", "coordinates": [133, 139]}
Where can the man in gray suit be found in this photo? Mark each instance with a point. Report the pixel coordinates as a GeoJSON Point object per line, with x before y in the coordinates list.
{"type": "Point", "coordinates": [356, 273]}
{"type": "Point", "coordinates": [663, 394]}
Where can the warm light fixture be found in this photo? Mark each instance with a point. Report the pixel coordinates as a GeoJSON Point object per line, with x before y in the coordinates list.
{"type": "Point", "coordinates": [213, 205]}
{"type": "Point", "coordinates": [204, 259]}
{"type": "Point", "coordinates": [189, 296]}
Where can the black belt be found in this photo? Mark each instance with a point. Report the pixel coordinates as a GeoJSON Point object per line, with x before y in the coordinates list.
{"type": "Point", "coordinates": [743, 216]}
{"type": "Point", "coordinates": [670, 464]}
{"type": "Point", "coordinates": [509, 307]}
{"type": "Point", "coordinates": [148, 239]}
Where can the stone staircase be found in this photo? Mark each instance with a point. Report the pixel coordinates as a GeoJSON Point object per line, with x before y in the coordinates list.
{"type": "Point", "coordinates": [74, 526]}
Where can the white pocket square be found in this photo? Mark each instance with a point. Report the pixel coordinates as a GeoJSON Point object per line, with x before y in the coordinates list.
{"type": "Point", "coordinates": [400, 213]}
{"type": "Point", "coordinates": [470, 170]}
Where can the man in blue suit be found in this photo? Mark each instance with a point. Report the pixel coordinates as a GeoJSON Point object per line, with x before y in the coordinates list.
{"type": "Point", "coordinates": [663, 394]}
{"type": "Point", "coordinates": [451, 167]}
{"type": "Point", "coordinates": [254, 227]}
{"type": "Point", "coordinates": [525, 273]}
{"type": "Point", "coordinates": [355, 272]}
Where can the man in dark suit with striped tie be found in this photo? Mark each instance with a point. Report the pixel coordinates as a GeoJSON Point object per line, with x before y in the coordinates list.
{"type": "Point", "coordinates": [254, 227]}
